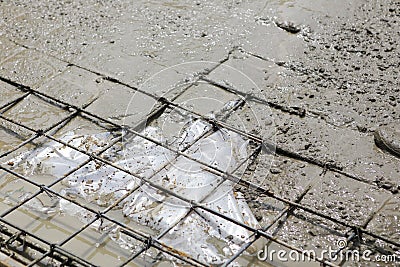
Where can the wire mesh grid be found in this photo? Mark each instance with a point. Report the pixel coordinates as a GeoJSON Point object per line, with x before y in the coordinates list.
{"type": "Point", "coordinates": [39, 248]}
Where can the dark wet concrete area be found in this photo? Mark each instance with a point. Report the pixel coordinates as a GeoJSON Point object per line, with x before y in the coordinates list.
{"type": "Point", "coordinates": [319, 81]}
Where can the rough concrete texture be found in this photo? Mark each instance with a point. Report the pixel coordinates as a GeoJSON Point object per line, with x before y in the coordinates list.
{"type": "Point", "coordinates": [320, 76]}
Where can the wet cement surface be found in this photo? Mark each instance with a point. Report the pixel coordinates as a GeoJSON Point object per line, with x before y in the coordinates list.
{"type": "Point", "coordinates": [324, 75]}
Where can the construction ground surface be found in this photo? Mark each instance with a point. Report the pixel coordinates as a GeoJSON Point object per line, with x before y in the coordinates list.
{"type": "Point", "coordinates": [316, 79]}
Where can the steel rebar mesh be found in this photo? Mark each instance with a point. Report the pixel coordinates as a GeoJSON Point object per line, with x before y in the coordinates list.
{"type": "Point", "coordinates": [28, 242]}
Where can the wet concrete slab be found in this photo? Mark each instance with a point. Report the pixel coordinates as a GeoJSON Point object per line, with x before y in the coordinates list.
{"type": "Point", "coordinates": [8, 140]}
{"type": "Point", "coordinates": [8, 48]}
{"type": "Point", "coordinates": [204, 98]}
{"type": "Point", "coordinates": [30, 67]}
{"type": "Point", "coordinates": [122, 105]}
{"type": "Point", "coordinates": [306, 231]}
{"type": "Point", "coordinates": [334, 195]}
{"type": "Point", "coordinates": [8, 93]}
{"type": "Point", "coordinates": [285, 177]}
{"type": "Point", "coordinates": [75, 86]}
{"type": "Point", "coordinates": [386, 219]}
{"type": "Point", "coordinates": [36, 113]}
{"type": "Point", "coordinates": [320, 78]}
{"type": "Point", "coordinates": [350, 151]}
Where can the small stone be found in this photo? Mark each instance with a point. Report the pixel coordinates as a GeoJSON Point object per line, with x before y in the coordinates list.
{"type": "Point", "coordinates": [275, 170]}
{"type": "Point", "coordinates": [284, 129]}
{"type": "Point", "coordinates": [388, 138]}
{"type": "Point", "coordinates": [280, 63]}
{"type": "Point", "coordinates": [288, 26]}
{"type": "Point", "coordinates": [312, 233]}
{"type": "Point", "coordinates": [362, 129]}
{"type": "Point", "coordinates": [387, 185]}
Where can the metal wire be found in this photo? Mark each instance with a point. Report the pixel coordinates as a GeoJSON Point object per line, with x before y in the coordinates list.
{"type": "Point", "coordinates": [146, 240]}
{"type": "Point", "coordinates": [43, 188]}
{"type": "Point", "coordinates": [208, 167]}
{"type": "Point", "coordinates": [254, 230]}
{"type": "Point", "coordinates": [240, 103]}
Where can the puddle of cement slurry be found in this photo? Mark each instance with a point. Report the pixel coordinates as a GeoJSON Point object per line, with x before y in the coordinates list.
{"type": "Point", "coordinates": [204, 236]}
